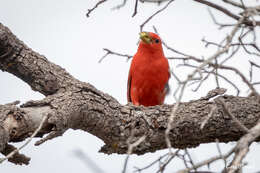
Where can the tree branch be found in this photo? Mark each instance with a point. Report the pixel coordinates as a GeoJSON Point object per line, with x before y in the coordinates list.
{"type": "Point", "coordinates": [227, 12]}
{"type": "Point", "coordinates": [78, 105]}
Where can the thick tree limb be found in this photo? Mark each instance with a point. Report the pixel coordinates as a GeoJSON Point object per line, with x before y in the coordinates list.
{"type": "Point", "coordinates": [70, 103]}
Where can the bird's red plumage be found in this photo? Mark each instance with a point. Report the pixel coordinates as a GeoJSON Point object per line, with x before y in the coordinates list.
{"type": "Point", "coordinates": [149, 74]}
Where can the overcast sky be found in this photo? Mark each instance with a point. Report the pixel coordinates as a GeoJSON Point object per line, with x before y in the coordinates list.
{"type": "Point", "coordinates": [60, 30]}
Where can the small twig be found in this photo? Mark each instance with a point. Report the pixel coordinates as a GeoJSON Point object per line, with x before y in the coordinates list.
{"type": "Point", "coordinates": [256, 83]}
{"type": "Point", "coordinates": [216, 76]}
{"type": "Point", "coordinates": [151, 164]}
{"type": "Point", "coordinates": [189, 156]}
{"type": "Point", "coordinates": [207, 162]}
{"type": "Point", "coordinates": [218, 7]}
{"type": "Point", "coordinates": [244, 79]}
{"type": "Point", "coordinates": [154, 1]}
{"type": "Point", "coordinates": [207, 43]}
{"type": "Point", "coordinates": [120, 5]}
{"type": "Point", "coordinates": [246, 50]}
{"type": "Point", "coordinates": [227, 12]}
{"type": "Point", "coordinates": [252, 64]}
{"type": "Point", "coordinates": [172, 156]}
{"type": "Point", "coordinates": [170, 48]}
{"type": "Point", "coordinates": [216, 22]}
{"type": "Point", "coordinates": [157, 12]}
{"type": "Point", "coordinates": [51, 135]}
{"type": "Point", "coordinates": [242, 148]}
{"type": "Point", "coordinates": [220, 154]}
{"type": "Point", "coordinates": [182, 157]}
{"type": "Point", "coordinates": [220, 66]}
{"type": "Point", "coordinates": [243, 4]}
{"type": "Point", "coordinates": [236, 4]}
{"type": "Point", "coordinates": [204, 122]}
{"type": "Point", "coordinates": [17, 158]}
{"type": "Point", "coordinates": [135, 10]}
{"type": "Point", "coordinates": [130, 149]}
{"type": "Point", "coordinates": [200, 82]}
{"type": "Point", "coordinates": [176, 77]}
{"type": "Point", "coordinates": [27, 142]}
{"type": "Point", "coordinates": [92, 9]}
{"type": "Point", "coordinates": [109, 52]}
{"type": "Point", "coordinates": [225, 108]}
{"type": "Point", "coordinates": [227, 80]}
{"type": "Point", "coordinates": [231, 55]}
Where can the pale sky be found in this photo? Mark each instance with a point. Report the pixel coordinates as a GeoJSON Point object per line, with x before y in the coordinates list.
{"type": "Point", "coordinates": [60, 31]}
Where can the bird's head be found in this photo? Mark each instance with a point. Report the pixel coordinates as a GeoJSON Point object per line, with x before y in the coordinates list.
{"type": "Point", "coordinates": [150, 41]}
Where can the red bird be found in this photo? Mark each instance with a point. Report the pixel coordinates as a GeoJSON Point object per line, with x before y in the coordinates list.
{"type": "Point", "coordinates": [149, 72]}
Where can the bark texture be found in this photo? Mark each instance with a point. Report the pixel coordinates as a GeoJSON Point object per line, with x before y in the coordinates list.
{"type": "Point", "coordinates": [70, 103]}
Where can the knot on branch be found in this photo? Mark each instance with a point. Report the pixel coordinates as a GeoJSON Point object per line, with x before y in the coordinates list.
{"type": "Point", "coordinates": [214, 93]}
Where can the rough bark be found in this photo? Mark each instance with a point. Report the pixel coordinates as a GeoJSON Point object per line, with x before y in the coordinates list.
{"type": "Point", "coordinates": [70, 103]}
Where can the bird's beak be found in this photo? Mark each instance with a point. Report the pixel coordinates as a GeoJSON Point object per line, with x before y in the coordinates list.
{"type": "Point", "coordinates": [145, 37]}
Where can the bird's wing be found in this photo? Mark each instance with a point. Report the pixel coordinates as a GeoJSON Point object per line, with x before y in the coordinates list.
{"type": "Point", "coordinates": [129, 88]}
{"type": "Point", "coordinates": [167, 89]}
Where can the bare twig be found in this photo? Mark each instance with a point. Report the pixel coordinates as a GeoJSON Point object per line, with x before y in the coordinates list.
{"type": "Point", "coordinates": [109, 52]}
{"type": "Point", "coordinates": [151, 164]}
{"type": "Point", "coordinates": [92, 9]}
{"type": "Point", "coordinates": [170, 48]}
{"type": "Point", "coordinates": [218, 7]}
{"type": "Point", "coordinates": [227, 12]}
{"type": "Point", "coordinates": [206, 162]}
{"type": "Point", "coordinates": [252, 64]}
{"type": "Point", "coordinates": [233, 3]}
{"type": "Point", "coordinates": [157, 12]}
{"type": "Point", "coordinates": [256, 83]}
{"type": "Point", "coordinates": [244, 45]}
{"type": "Point", "coordinates": [135, 10]}
{"type": "Point", "coordinates": [189, 156]}
{"type": "Point", "coordinates": [172, 156]}
{"type": "Point", "coordinates": [244, 128]}
{"type": "Point", "coordinates": [242, 148]}
{"type": "Point", "coordinates": [120, 5]}
{"type": "Point", "coordinates": [221, 25]}
{"type": "Point", "coordinates": [221, 155]}
{"type": "Point", "coordinates": [204, 122]}
{"type": "Point", "coordinates": [227, 80]}
{"type": "Point", "coordinates": [244, 79]}
{"type": "Point", "coordinates": [207, 43]}
{"type": "Point", "coordinates": [154, 1]}
{"type": "Point", "coordinates": [131, 146]}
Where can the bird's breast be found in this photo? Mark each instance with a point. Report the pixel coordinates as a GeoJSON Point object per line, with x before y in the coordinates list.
{"type": "Point", "coordinates": [149, 78]}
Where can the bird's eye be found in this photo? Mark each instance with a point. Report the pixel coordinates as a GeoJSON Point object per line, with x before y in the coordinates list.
{"type": "Point", "coordinates": [157, 41]}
